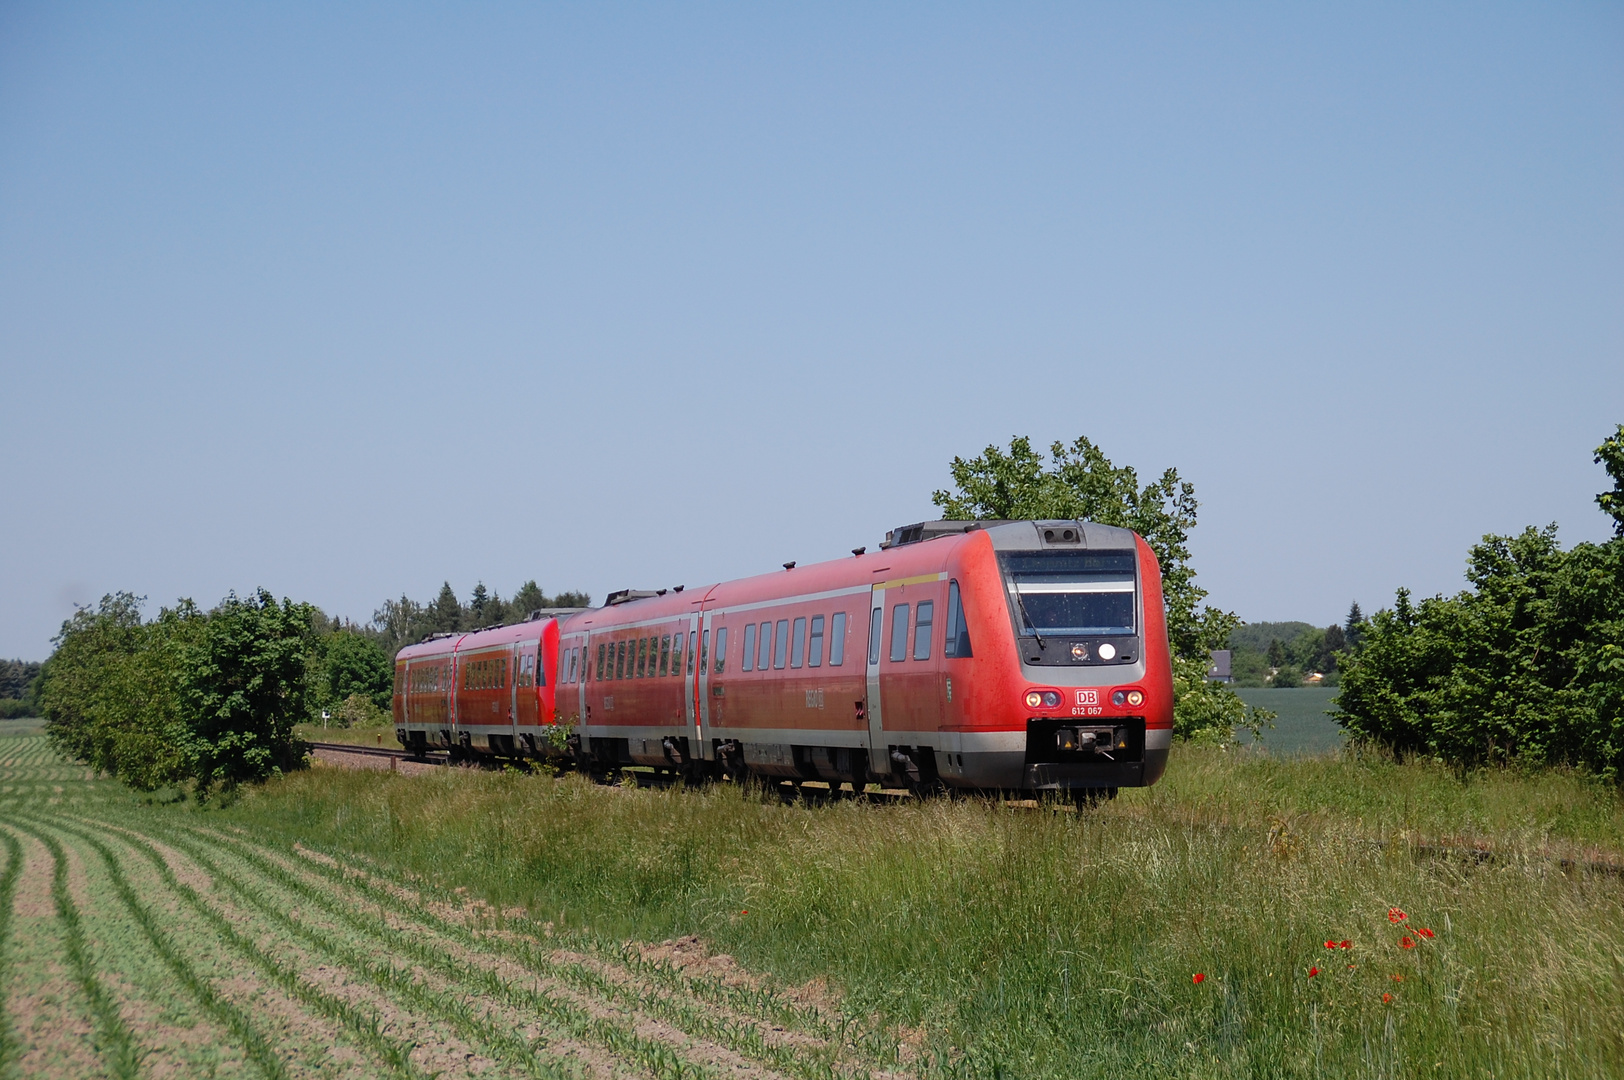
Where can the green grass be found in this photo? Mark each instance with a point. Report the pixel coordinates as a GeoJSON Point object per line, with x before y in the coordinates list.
{"type": "Point", "coordinates": [1020, 942]}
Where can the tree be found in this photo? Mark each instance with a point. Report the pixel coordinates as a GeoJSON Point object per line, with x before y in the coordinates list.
{"type": "Point", "coordinates": [1611, 455]}
{"type": "Point", "coordinates": [528, 598]}
{"type": "Point", "coordinates": [242, 684]}
{"type": "Point", "coordinates": [356, 664]}
{"type": "Point", "coordinates": [445, 614]}
{"type": "Point", "coordinates": [1277, 653]}
{"type": "Point", "coordinates": [1354, 628]}
{"type": "Point", "coordinates": [1081, 482]}
{"type": "Point", "coordinates": [1287, 677]}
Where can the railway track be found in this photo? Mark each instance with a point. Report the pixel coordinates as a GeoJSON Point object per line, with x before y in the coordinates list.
{"type": "Point", "coordinates": [430, 757]}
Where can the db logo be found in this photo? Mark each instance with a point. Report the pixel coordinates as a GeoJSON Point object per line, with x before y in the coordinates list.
{"type": "Point", "coordinates": [1088, 697]}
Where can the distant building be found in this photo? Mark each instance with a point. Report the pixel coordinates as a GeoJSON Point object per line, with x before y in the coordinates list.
{"type": "Point", "coordinates": [1219, 671]}
{"type": "Point", "coordinates": [1314, 678]}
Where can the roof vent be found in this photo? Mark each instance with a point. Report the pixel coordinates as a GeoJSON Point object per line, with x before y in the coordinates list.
{"type": "Point", "coordinates": [626, 596]}
{"type": "Point", "coordinates": [929, 530]}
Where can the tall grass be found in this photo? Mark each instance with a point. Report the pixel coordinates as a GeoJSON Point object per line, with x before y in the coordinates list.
{"type": "Point", "coordinates": [1018, 942]}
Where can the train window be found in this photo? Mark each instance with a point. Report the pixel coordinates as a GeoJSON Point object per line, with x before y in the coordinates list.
{"type": "Point", "coordinates": [721, 650]}
{"type": "Point", "coordinates": [922, 628]}
{"type": "Point", "coordinates": [575, 666]}
{"type": "Point", "coordinates": [781, 644]}
{"type": "Point", "coordinates": [958, 630]}
{"type": "Point", "coordinates": [837, 639]}
{"type": "Point", "coordinates": [704, 649]}
{"type": "Point", "coordinates": [653, 648]}
{"type": "Point", "coordinates": [665, 654]}
{"type": "Point", "coordinates": [600, 660]}
{"type": "Point", "coordinates": [539, 668]}
{"type": "Point", "coordinates": [642, 655]}
{"type": "Point", "coordinates": [501, 673]}
{"type": "Point", "coordinates": [814, 647]}
{"type": "Point", "coordinates": [797, 643]}
{"type": "Point", "coordinates": [875, 624]}
{"type": "Point", "coordinates": [676, 653]}
{"type": "Point", "coordinates": [749, 648]}
{"type": "Point", "coordinates": [620, 659]}
{"type": "Point", "coordinates": [764, 646]}
{"type": "Point", "coordinates": [899, 632]}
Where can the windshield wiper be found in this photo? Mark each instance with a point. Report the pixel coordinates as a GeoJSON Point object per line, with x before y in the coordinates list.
{"type": "Point", "coordinates": [1027, 615]}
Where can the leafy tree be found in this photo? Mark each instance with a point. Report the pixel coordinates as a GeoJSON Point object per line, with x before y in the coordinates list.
{"type": "Point", "coordinates": [529, 598]}
{"type": "Point", "coordinates": [1079, 481]}
{"type": "Point", "coordinates": [1611, 455]}
{"type": "Point", "coordinates": [1277, 653]}
{"type": "Point", "coordinates": [356, 664]}
{"type": "Point", "coordinates": [243, 688]}
{"type": "Point", "coordinates": [1287, 678]}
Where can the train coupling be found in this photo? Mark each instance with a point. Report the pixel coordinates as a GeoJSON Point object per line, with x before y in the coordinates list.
{"type": "Point", "coordinates": [1098, 740]}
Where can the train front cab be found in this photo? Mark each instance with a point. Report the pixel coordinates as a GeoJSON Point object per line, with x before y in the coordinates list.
{"type": "Point", "coordinates": [1054, 674]}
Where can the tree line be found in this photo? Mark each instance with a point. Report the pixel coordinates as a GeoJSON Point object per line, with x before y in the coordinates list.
{"type": "Point", "coordinates": [1283, 654]}
{"type": "Point", "coordinates": [19, 682]}
{"type": "Point", "coordinates": [206, 700]}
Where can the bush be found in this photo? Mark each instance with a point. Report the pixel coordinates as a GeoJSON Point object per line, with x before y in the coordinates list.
{"type": "Point", "coordinates": [356, 665]}
{"type": "Point", "coordinates": [359, 710]}
{"type": "Point", "coordinates": [1527, 666]}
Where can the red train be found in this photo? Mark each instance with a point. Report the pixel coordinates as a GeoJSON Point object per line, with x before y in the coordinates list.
{"type": "Point", "coordinates": [1016, 655]}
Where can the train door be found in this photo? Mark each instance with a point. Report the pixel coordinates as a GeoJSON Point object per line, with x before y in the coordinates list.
{"type": "Point", "coordinates": [516, 665]}
{"type": "Point", "coordinates": [697, 712]}
{"type": "Point", "coordinates": [879, 758]}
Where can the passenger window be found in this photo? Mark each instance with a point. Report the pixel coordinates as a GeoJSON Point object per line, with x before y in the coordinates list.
{"type": "Point", "coordinates": [620, 659]}
{"type": "Point", "coordinates": [704, 649]}
{"type": "Point", "coordinates": [814, 647]}
{"type": "Point", "coordinates": [922, 627]}
{"type": "Point", "coordinates": [899, 633]}
{"type": "Point", "coordinates": [764, 646]}
{"type": "Point", "coordinates": [721, 649]}
{"type": "Point", "coordinates": [837, 639]}
{"type": "Point", "coordinates": [797, 643]}
{"type": "Point", "coordinates": [600, 661]}
{"type": "Point", "coordinates": [749, 648]}
{"type": "Point", "coordinates": [677, 641]}
{"type": "Point", "coordinates": [665, 654]}
{"type": "Point", "coordinates": [875, 623]}
{"type": "Point", "coordinates": [781, 644]}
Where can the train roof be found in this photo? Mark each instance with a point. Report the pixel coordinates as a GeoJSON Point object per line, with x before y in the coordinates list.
{"type": "Point", "coordinates": [1020, 535]}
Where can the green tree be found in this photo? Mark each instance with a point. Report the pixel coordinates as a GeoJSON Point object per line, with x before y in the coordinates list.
{"type": "Point", "coordinates": [1287, 678]}
{"type": "Point", "coordinates": [1353, 630]}
{"type": "Point", "coordinates": [243, 688]}
{"type": "Point", "coordinates": [445, 614]}
{"type": "Point", "coordinates": [528, 598]}
{"type": "Point", "coordinates": [1079, 481]}
{"type": "Point", "coordinates": [1611, 455]}
{"type": "Point", "coordinates": [1277, 653]}
{"type": "Point", "coordinates": [355, 664]}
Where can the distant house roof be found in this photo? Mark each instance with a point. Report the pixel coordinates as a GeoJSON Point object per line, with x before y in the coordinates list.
{"type": "Point", "coordinates": [1220, 665]}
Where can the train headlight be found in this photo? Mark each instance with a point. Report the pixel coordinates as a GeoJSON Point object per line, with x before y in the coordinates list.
{"type": "Point", "coordinates": [1136, 698]}
{"type": "Point", "coordinates": [1043, 699]}
{"type": "Point", "coordinates": [1079, 651]}
{"type": "Point", "coordinates": [1119, 697]}
{"type": "Point", "coordinates": [1033, 699]}
{"type": "Point", "coordinates": [1106, 651]}
{"type": "Point", "coordinates": [1051, 699]}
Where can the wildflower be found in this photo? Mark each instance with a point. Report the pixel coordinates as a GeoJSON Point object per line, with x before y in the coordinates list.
{"type": "Point", "coordinates": [1398, 978]}
{"type": "Point", "coordinates": [1406, 942]}
{"type": "Point", "coordinates": [1198, 978]}
{"type": "Point", "coordinates": [1345, 944]}
{"type": "Point", "coordinates": [746, 911]}
{"type": "Point", "coordinates": [1312, 972]}
{"type": "Point", "coordinates": [1386, 998]}
{"type": "Point", "coordinates": [1352, 966]}
{"type": "Point", "coordinates": [1394, 915]}
{"type": "Point", "coordinates": [1424, 932]}
{"type": "Point", "coordinates": [1330, 944]}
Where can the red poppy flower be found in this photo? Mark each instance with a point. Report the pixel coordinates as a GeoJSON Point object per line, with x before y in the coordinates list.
{"type": "Point", "coordinates": [1346, 944]}
{"type": "Point", "coordinates": [1398, 978]}
{"type": "Point", "coordinates": [1330, 944]}
{"type": "Point", "coordinates": [1424, 932]}
{"type": "Point", "coordinates": [1312, 972]}
{"type": "Point", "coordinates": [1352, 966]}
{"type": "Point", "coordinates": [1395, 915]}
{"type": "Point", "coordinates": [1386, 998]}
{"type": "Point", "coordinates": [1198, 978]}
{"type": "Point", "coordinates": [746, 911]}
{"type": "Point", "coordinates": [1406, 942]}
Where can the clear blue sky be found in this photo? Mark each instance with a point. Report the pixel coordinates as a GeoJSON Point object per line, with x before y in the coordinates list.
{"type": "Point", "coordinates": [349, 300]}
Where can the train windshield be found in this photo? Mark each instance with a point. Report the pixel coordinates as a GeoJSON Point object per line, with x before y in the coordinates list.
{"type": "Point", "coordinates": [1054, 592]}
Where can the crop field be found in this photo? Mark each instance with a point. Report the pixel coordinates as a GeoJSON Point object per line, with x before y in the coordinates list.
{"type": "Point", "coordinates": [146, 940]}
{"type": "Point", "coordinates": [1238, 919]}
